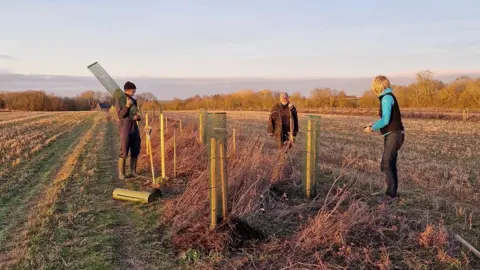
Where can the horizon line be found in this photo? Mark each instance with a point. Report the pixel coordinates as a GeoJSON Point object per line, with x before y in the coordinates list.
{"type": "Point", "coordinates": [396, 74]}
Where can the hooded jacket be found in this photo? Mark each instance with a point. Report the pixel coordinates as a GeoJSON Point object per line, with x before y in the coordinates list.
{"type": "Point", "coordinates": [389, 111]}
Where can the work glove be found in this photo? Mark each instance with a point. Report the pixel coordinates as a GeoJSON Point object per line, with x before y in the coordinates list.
{"type": "Point", "coordinates": [129, 102]}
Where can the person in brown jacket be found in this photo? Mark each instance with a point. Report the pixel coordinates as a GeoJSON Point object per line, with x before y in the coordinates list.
{"type": "Point", "coordinates": [283, 122]}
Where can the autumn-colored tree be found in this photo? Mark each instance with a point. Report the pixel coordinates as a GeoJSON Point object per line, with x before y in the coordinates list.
{"type": "Point", "coordinates": [298, 100]}
{"type": "Point", "coordinates": [447, 97]}
{"type": "Point", "coordinates": [322, 98]}
{"type": "Point", "coordinates": [405, 95]}
{"type": "Point", "coordinates": [345, 101]}
{"type": "Point", "coordinates": [368, 100]}
{"type": "Point", "coordinates": [426, 89]}
{"type": "Point", "coordinates": [88, 99]}
{"type": "Point", "coordinates": [470, 98]}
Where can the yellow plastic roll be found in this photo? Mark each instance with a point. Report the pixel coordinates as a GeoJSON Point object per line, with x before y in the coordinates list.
{"type": "Point", "coordinates": [132, 195]}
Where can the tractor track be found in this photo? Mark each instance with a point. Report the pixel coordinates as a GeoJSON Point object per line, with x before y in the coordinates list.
{"type": "Point", "coordinates": [73, 222]}
{"type": "Point", "coordinates": [26, 188]}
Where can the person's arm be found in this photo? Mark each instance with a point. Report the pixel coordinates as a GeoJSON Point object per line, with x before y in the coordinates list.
{"type": "Point", "coordinates": [295, 121]}
{"type": "Point", "coordinates": [137, 117]}
{"type": "Point", "coordinates": [387, 103]}
{"type": "Point", "coordinates": [124, 110]}
{"type": "Point", "coordinates": [271, 121]}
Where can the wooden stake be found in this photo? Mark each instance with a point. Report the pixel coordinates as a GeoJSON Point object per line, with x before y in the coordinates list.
{"type": "Point", "coordinates": [147, 148]}
{"type": "Point", "coordinates": [309, 159]}
{"type": "Point", "coordinates": [200, 127]}
{"type": "Point", "coordinates": [213, 187]}
{"type": "Point", "coordinates": [162, 145]}
{"type": "Point", "coordinates": [313, 188]}
{"type": "Point", "coordinates": [181, 130]}
{"type": "Point", "coordinates": [223, 182]}
{"type": "Point", "coordinates": [174, 155]}
{"type": "Point", "coordinates": [234, 141]}
{"type": "Point", "coordinates": [151, 159]}
{"type": "Point", "coordinates": [166, 123]}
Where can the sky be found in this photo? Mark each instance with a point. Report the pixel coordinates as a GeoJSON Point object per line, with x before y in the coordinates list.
{"type": "Point", "coordinates": [206, 39]}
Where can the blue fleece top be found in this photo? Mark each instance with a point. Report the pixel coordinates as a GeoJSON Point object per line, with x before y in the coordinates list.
{"type": "Point", "coordinates": [387, 103]}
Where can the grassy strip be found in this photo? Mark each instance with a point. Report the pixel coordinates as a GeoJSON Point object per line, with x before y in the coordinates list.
{"type": "Point", "coordinates": [25, 183]}
{"type": "Point", "coordinates": [89, 230]}
{"type": "Point", "coordinates": [41, 212]}
{"type": "Point", "coordinates": [19, 186]}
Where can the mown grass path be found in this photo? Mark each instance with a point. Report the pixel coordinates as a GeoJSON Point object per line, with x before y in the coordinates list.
{"type": "Point", "coordinates": [81, 226]}
{"type": "Point", "coordinates": [20, 188]}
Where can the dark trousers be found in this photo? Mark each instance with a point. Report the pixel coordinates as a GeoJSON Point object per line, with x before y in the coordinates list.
{"type": "Point", "coordinates": [130, 142]}
{"type": "Point", "coordinates": [392, 143]}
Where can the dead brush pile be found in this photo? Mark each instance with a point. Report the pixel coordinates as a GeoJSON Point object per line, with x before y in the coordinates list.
{"type": "Point", "coordinates": [251, 175]}
{"type": "Point", "coordinates": [357, 236]}
{"type": "Point", "coordinates": [340, 229]}
{"type": "Point", "coordinates": [191, 159]}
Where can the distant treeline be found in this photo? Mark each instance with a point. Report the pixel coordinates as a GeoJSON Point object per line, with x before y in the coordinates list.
{"type": "Point", "coordinates": [425, 92]}
{"type": "Point", "coordinates": [35, 100]}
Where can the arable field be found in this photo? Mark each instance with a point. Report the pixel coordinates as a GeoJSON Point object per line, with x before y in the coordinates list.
{"type": "Point", "coordinates": [58, 171]}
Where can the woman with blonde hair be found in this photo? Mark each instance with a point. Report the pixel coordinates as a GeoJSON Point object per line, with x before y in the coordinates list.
{"type": "Point", "coordinates": [391, 127]}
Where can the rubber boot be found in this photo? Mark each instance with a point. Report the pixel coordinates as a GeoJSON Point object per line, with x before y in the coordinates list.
{"type": "Point", "coordinates": [133, 167]}
{"type": "Point", "coordinates": [121, 168]}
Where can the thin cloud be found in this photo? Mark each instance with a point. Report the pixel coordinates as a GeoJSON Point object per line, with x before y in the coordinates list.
{"type": "Point", "coordinates": [7, 57]}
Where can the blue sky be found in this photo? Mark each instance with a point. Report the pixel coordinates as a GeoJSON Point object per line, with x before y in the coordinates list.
{"type": "Point", "coordinates": [211, 39]}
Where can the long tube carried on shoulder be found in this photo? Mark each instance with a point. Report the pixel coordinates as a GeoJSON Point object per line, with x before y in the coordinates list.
{"type": "Point", "coordinates": [111, 86]}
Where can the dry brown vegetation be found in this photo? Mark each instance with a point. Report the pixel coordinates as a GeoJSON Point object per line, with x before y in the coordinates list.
{"type": "Point", "coordinates": [56, 209]}
{"type": "Point", "coordinates": [23, 136]}
{"type": "Point", "coordinates": [272, 226]}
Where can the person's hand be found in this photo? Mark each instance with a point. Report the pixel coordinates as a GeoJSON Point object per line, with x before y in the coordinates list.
{"type": "Point", "coordinates": [367, 129]}
{"type": "Point", "coordinates": [270, 134]}
{"type": "Point", "coordinates": [148, 130]}
{"type": "Point", "coordinates": [137, 117]}
{"type": "Point", "coordinates": [129, 102]}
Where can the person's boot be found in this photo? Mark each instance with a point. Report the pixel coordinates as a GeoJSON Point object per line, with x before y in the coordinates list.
{"type": "Point", "coordinates": [121, 168]}
{"type": "Point", "coordinates": [133, 167]}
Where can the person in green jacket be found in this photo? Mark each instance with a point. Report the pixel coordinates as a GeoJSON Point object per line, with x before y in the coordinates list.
{"type": "Point", "coordinates": [391, 127]}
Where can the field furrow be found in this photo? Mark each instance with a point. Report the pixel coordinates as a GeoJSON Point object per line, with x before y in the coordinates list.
{"type": "Point", "coordinates": [24, 186]}
{"type": "Point", "coordinates": [20, 142]}
{"type": "Point", "coordinates": [22, 118]}
{"type": "Point", "coordinates": [80, 222]}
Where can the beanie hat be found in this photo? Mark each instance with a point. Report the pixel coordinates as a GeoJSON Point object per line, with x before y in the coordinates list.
{"type": "Point", "coordinates": [129, 85]}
